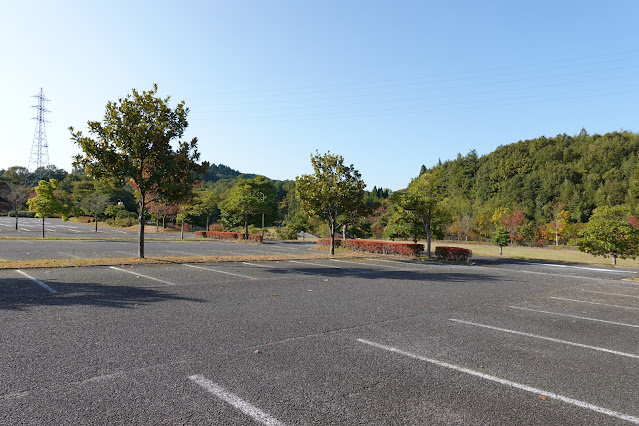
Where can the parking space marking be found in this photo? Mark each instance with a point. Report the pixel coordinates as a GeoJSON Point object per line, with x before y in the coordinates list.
{"type": "Point", "coordinates": [391, 261]}
{"type": "Point", "coordinates": [221, 272]}
{"type": "Point", "coordinates": [237, 402]}
{"type": "Point", "coordinates": [69, 254]}
{"type": "Point", "coordinates": [550, 339]}
{"type": "Point", "coordinates": [125, 252]}
{"type": "Point", "coordinates": [610, 294]}
{"type": "Point", "coordinates": [38, 282]}
{"type": "Point", "coordinates": [579, 267]}
{"type": "Point", "coordinates": [575, 316]}
{"type": "Point", "coordinates": [140, 275]}
{"type": "Point", "coordinates": [362, 263]}
{"type": "Point", "coordinates": [510, 383]}
{"type": "Point", "coordinates": [315, 264]}
{"type": "Point", "coordinates": [594, 303]}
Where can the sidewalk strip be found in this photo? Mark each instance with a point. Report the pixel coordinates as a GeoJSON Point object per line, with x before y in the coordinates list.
{"type": "Point", "coordinates": [550, 339]}
{"type": "Point", "coordinates": [237, 402]}
{"type": "Point", "coordinates": [221, 272]}
{"type": "Point", "coordinates": [40, 283]}
{"type": "Point", "coordinates": [140, 275]}
{"type": "Point", "coordinates": [594, 303]}
{"type": "Point", "coordinates": [576, 317]}
{"type": "Point", "coordinates": [512, 384]}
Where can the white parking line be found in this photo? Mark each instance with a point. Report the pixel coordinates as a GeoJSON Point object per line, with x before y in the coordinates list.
{"type": "Point", "coordinates": [315, 264]}
{"type": "Point", "coordinates": [221, 272]}
{"type": "Point", "coordinates": [391, 261]}
{"type": "Point", "coordinates": [512, 384]}
{"type": "Point", "coordinates": [594, 303]}
{"type": "Point", "coordinates": [575, 316]}
{"type": "Point", "coordinates": [578, 267]}
{"type": "Point", "coordinates": [550, 339]}
{"type": "Point", "coordinates": [40, 283]}
{"type": "Point", "coordinates": [125, 252]}
{"type": "Point", "coordinates": [259, 265]}
{"type": "Point", "coordinates": [69, 254]}
{"type": "Point", "coordinates": [237, 402]}
{"type": "Point", "coordinates": [361, 263]}
{"type": "Point", "coordinates": [610, 294]}
{"type": "Point", "coordinates": [140, 275]}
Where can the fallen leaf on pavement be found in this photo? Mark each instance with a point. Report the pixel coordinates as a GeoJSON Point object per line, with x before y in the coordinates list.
{"type": "Point", "coordinates": [542, 397]}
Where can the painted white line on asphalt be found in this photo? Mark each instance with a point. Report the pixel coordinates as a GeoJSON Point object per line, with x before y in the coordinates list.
{"type": "Point", "coordinates": [578, 267]}
{"type": "Point", "coordinates": [69, 254]}
{"type": "Point", "coordinates": [550, 339]}
{"type": "Point", "coordinates": [221, 272]}
{"type": "Point", "coordinates": [180, 252]}
{"type": "Point", "coordinates": [259, 265]}
{"type": "Point", "coordinates": [611, 294]}
{"type": "Point", "coordinates": [40, 283]}
{"type": "Point", "coordinates": [140, 275]}
{"type": "Point", "coordinates": [237, 402]}
{"type": "Point", "coordinates": [575, 316]}
{"type": "Point", "coordinates": [512, 384]}
{"type": "Point", "coordinates": [594, 303]}
{"type": "Point", "coordinates": [126, 252]}
{"type": "Point", "coordinates": [391, 261]}
{"type": "Point", "coordinates": [315, 264]}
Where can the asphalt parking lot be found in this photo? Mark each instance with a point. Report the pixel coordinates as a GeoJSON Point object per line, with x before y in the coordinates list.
{"type": "Point", "coordinates": [348, 341]}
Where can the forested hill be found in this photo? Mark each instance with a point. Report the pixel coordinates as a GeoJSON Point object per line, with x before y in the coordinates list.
{"type": "Point", "coordinates": [577, 173]}
{"type": "Point", "coordinates": [217, 172]}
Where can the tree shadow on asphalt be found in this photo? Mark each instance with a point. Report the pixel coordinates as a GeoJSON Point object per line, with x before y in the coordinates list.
{"type": "Point", "coordinates": [21, 294]}
{"type": "Point", "coordinates": [398, 275]}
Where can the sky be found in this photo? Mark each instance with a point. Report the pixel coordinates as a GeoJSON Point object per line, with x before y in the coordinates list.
{"type": "Point", "coordinates": [389, 85]}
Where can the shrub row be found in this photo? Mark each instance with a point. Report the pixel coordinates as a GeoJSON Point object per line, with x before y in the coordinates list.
{"type": "Point", "coordinates": [381, 247]}
{"type": "Point", "coordinates": [228, 235]}
{"type": "Point", "coordinates": [326, 242]}
{"type": "Point", "coordinates": [454, 254]}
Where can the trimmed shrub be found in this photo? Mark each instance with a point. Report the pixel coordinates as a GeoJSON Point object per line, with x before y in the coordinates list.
{"type": "Point", "coordinates": [228, 235]}
{"type": "Point", "coordinates": [216, 227]}
{"type": "Point", "coordinates": [326, 242]}
{"type": "Point", "coordinates": [453, 254]}
{"type": "Point", "coordinates": [380, 247]}
{"type": "Point", "coordinates": [385, 247]}
{"type": "Point", "coordinates": [256, 237]}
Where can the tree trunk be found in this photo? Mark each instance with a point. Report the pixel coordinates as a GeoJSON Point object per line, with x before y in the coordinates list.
{"type": "Point", "coordinates": [42, 227]}
{"type": "Point", "coordinates": [428, 235]}
{"type": "Point", "coordinates": [141, 227]}
{"type": "Point", "coordinates": [207, 221]}
{"type": "Point", "coordinates": [614, 259]}
{"type": "Point", "coordinates": [96, 222]}
{"type": "Point", "coordinates": [501, 250]}
{"type": "Point", "coordinates": [16, 219]}
{"type": "Point", "coordinates": [331, 231]}
{"type": "Point", "coordinates": [246, 235]}
{"type": "Point", "coordinates": [182, 230]}
{"type": "Point", "coordinates": [344, 232]}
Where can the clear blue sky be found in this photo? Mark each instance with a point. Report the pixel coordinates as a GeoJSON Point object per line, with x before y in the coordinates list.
{"type": "Point", "coordinates": [390, 85]}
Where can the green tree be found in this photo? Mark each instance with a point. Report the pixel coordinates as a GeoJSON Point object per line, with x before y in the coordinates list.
{"type": "Point", "coordinates": [610, 233]}
{"type": "Point", "coordinates": [249, 197]}
{"type": "Point", "coordinates": [423, 202]}
{"type": "Point", "coordinates": [134, 142]}
{"type": "Point", "coordinates": [16, 194]}
{"type": "Point", "coordinates": [45, 203]}
{"type": "Point", "coordinates": [500, 238]}
{"type": "Point", "coordinates": [205, 202]}
{"type": "Point", "coordinates": [95, 204]}
{"type": "Point", "coordinates": [333, 192]}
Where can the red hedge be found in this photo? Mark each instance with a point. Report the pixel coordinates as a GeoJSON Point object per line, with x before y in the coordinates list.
{"type": "Point", "coordinates": [326, 242]}
{"type": "Point", "coordinates": [454, 254]}
{"type": "Point", "coordinates": [381, 247]}
{"type": "Point", "coordinates": [227, 235]}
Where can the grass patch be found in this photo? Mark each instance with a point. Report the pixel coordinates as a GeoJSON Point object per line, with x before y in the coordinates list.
{"type": "Point", "coordinates": [561, 254]}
